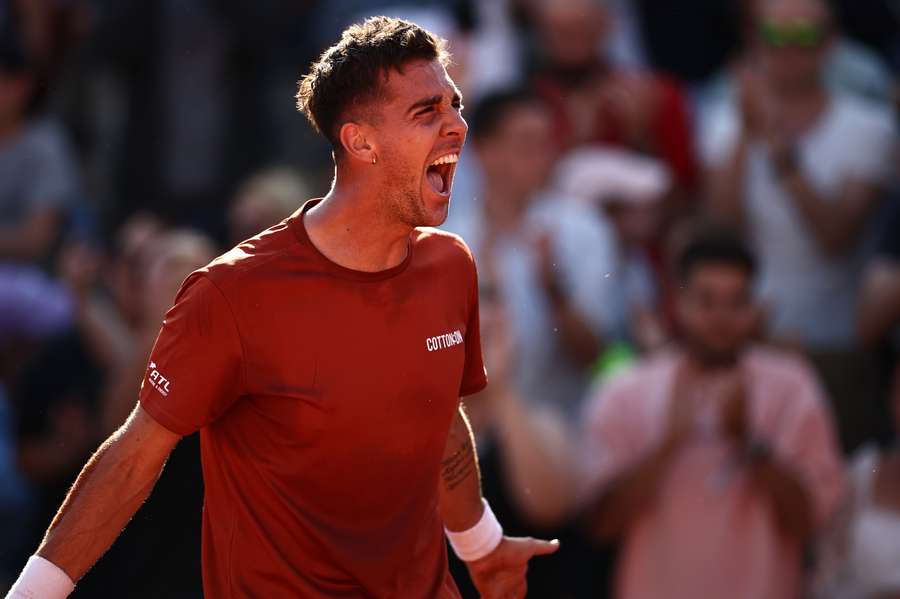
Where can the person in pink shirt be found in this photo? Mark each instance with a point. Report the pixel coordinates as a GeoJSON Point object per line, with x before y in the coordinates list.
{"type": "Point", "coordinates": [714, 462]}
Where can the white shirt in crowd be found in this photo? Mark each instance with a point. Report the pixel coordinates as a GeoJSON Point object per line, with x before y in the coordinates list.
{"type": "Point", "coordinates": [589, 271]}
{"type": "Point", "coordinates": [809, 294]}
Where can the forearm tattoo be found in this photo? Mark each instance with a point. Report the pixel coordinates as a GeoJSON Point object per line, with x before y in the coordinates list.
{"type": "Point", "coordinates": [459, 466]}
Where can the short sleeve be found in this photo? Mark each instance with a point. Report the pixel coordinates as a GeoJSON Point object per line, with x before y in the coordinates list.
{"type": "Point", "coordinates": [474, 375]}
{"type": "Point", "coordinates": [874, 138]}
{"type": "Point", "coordinates": [195, 371]}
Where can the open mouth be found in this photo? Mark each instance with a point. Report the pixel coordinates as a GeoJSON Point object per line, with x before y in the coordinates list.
{"type": "Point", "coordinates": [440, 173]}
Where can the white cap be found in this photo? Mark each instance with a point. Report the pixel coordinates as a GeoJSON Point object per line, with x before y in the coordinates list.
{"type": "Point", "coordinates": [598, 174]}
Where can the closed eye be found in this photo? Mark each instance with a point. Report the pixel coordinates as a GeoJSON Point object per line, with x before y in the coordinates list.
{"type": "Point", "coordinates": [425, 110]}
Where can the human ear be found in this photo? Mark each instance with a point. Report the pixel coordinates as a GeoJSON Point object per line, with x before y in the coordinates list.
{"type": "Point", "coordinates": [355, 142]}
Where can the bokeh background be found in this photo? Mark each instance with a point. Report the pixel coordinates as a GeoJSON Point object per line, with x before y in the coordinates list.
{"type": "Point", "coordinates": [140, 139]}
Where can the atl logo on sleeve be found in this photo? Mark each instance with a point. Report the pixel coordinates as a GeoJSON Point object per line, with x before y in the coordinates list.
{"type": "Point", "coordinates": [158, 381]}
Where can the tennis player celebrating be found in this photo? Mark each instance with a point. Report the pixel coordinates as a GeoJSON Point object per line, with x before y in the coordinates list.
{"type": "Point", "coordinates": [322, 362]}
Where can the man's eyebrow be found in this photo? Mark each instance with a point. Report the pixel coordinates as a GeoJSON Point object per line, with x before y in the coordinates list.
{"type": "Point", "coordinates": [425, 102]}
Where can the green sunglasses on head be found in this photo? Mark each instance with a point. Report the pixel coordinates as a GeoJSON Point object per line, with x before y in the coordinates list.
{"type": "Point", "coordinates": [799, 33]}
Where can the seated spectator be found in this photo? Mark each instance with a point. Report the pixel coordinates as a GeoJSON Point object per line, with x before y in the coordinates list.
{"type": "Point", "coordinates": [802, 168]}
{"type": "Point", "coordinates": [714, 463]}
{"type": "Point", "coordinates": [37, 174]}
{"type": "Point", "coordinates": [263, 200]}
{"type": "Point", "coordinates": [625, 190]}
{"type": "Point", "coordinates": [594, 102]}
{"type": "Point", "coordinates": [863, 550]}
{"type": "Point", "coordinates": [849, 67]}
{"type": "Point", "coordinates": [531, 246]}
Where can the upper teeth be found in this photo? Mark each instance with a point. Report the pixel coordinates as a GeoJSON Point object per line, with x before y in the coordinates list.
{"type": "Point", "coordinates": [448, 159]}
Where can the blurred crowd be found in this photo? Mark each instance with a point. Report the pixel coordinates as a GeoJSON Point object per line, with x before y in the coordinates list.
{"type": "Point", "coordinates": [686, 219]}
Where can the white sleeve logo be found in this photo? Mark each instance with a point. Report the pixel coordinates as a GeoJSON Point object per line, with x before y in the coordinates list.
{"type": "Point", "coordinates": [157, 380]}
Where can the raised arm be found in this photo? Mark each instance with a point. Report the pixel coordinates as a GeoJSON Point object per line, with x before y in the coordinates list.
{"type": "Point", "coordinates": [496, 563]}
{"type": "Point", "coordinates": [111, 487]}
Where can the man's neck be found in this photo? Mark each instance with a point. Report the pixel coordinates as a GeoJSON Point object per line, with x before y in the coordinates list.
{"type": "Point", "coordinates": [705, 363]}
{"type": "Point", "coordinates": [351, 229]}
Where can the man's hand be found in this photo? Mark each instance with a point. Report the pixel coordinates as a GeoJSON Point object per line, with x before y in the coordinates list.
{"type": "Point", "coordinates": [501, 573]}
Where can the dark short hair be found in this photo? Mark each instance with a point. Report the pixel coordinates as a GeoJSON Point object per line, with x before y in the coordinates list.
{"type": "Point", "coordinates": [487, 116]}
{"type": "Point", "coordinates": [353, 71]}
{"type": "Point", "coordinates": [715, 245]}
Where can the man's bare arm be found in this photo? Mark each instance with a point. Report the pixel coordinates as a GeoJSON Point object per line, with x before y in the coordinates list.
{"type": "Point", "coordinates": [111, 487]}
{"type": "Point", "coordinates": [500, 574]}
{"type": "Point", "coordinates": [460, 489]}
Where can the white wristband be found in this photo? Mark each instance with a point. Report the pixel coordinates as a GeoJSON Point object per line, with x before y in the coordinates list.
{"type": "Point", "coordinates": [41, 579]}
{"type": "Point", "coordinates": [476, 542]}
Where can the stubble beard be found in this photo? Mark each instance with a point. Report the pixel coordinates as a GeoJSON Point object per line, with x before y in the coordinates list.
{"type": "Point", "coordinates": [405, 203]}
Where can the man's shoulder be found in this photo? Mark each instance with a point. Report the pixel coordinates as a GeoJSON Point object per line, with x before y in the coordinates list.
{"type": "Point", "coordinates": [636, 381]}
{"type": "Point", "coordinates": [784, 368]}
{"type": "Point", "coordinates": [251, 258]}
{"type": "Point", "coordinates": [443, 245]}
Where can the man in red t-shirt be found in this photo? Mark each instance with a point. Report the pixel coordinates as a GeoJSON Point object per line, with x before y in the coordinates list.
{"type": "Point", "coordinates": [322, 362]}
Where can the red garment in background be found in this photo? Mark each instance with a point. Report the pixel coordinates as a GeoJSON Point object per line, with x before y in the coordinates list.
{"type": "Point", "coordinates": [324, 398]}
{"type": "Point", "coordinates": [669, 136]}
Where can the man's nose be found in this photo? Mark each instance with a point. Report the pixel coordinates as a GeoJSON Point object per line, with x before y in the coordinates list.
{"type": "Point", "coordinates": [456, 125]}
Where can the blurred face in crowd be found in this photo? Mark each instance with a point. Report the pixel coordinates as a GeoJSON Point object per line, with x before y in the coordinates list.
{"type": "Point", "coordinates": [716, 311]}
{"type": "Point", "coordinates": [173, 256]}
{"type": "Point", "coordinates": [571, 31]}
{"type": "Point", "coordinates": [794, 36]}
{"type": "Point", "coordinates": [416, 131]}
{"type": "Point", "coordinates": [125, 278]}
{"type": "Point", "coordinates": [516, 154]}
{"type": "Point", "coordinates": [636, 223]}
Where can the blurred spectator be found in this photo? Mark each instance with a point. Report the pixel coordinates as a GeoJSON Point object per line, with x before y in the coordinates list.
{"type": "Point", "coordinates": [264, 200]}
{"type": "Point", "coordinates": [531, 246]}
{"type": "Point", "coordinates": [592, 101]}
{"type": "Point", "coordinates": [864, 549]}
{"type": "Point", "coordinates": [715, 462]}
{"type": "Point", "coordinates": [626, 190]}
{"type": "Point", "coordinates": [801, 168]}
{"type": "Point", "coordinates": [37, 174]}
{"type": "Point", "coordinates": [848, 66]}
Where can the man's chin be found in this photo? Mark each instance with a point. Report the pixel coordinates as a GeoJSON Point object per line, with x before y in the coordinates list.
{"type": "Point", "coordinates": [435, 215]}
{"type": "Point", "coordinates": [717, 357]}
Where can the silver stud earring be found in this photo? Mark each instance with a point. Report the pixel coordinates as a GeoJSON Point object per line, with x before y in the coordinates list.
{"type": "Point", "coordinates": [374, 159]}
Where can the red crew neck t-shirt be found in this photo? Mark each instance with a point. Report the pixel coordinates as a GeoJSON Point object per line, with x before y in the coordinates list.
{"type": "Point", "coordinates": [323, 397]}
